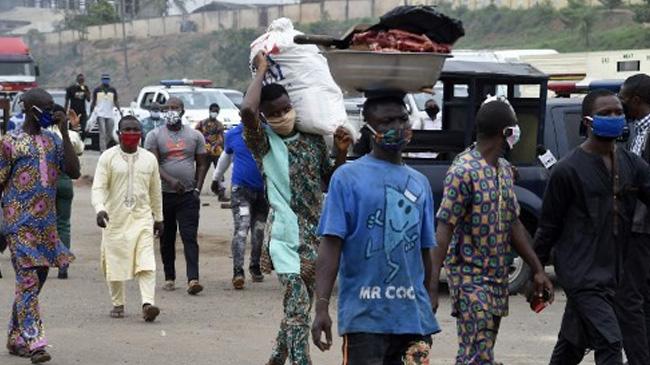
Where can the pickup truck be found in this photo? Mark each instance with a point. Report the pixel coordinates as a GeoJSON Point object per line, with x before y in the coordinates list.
{"type": "Point", "coordinates": [546, 125]}
{"type": "Point", "coordinates": [196, 95]}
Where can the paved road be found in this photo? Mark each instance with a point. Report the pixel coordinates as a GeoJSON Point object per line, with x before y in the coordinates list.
{"type": "Point", "coordinates": [220, 326]}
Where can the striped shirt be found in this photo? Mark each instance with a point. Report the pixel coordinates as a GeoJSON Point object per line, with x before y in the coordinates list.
{"type": "Point", "coordinates": [639, 143]}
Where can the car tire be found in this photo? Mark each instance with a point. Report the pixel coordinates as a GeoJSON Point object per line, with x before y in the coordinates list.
{"type": "Point", "coordinates": [518, 276]}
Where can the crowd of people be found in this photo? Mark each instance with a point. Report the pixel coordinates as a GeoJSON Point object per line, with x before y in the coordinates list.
{"type": "Point", "coordinates": [375, 229]}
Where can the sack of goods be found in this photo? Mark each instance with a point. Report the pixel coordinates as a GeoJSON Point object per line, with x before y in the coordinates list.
{"type": "Point", "coordinates": [303, 71]}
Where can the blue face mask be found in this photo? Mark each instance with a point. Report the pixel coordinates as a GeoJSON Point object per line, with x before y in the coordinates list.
{"type": "Point", "coordinates": [45, 117]}
{"type": "Point", "coordinates": [393, 139]}
{"type": "Point", "coordinates": [106, 82]}
{"type": "Point", "coordinates": [607, 127]}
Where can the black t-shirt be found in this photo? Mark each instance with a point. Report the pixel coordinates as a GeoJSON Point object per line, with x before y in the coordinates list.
{"type": "Point", "coordinates": [77, 96]}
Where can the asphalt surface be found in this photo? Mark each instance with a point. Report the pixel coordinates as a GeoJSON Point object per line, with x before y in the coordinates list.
{"type": "Point", "coordinates": [220, 326]}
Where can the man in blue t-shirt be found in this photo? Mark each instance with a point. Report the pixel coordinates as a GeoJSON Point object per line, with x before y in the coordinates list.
{"type": "Point", "coordinates": [377, 231]}
{"type": "Point", "coordinates": [248, 201]}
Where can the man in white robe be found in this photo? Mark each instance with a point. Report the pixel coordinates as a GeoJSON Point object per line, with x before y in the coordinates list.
{"type": "Point", "coordinates": [127, 198]}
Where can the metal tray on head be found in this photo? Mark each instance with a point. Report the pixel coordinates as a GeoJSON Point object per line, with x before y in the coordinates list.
{"type": "Point", "coordinates": [358, 71]}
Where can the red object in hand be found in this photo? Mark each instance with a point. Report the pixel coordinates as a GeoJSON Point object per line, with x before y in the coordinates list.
{"type": "Point", "coordinates": [539, 303]}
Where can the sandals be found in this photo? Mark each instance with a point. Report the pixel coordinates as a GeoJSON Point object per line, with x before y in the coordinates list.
{"type": "Point", "coordinates": [40, 356]}
{"type": "Point", "coordinates": [194, 287]}
{"type": "Point", "coordinates": [150, 312]}
{"type": "Point", "coordinates": [117, 312]}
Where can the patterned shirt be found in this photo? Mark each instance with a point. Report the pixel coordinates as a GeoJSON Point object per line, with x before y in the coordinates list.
{"type": "Point", "coordinates": [309, 171]}
{"type": "Point", "coordinates": [212, 131]}
{"type": "Point", "coordinates": [480, 204]}
{"type": "Point", "coordinates": [148, 124]}
{"type": "Point", "coordinates": [639, 143]}
{"type": "Point", "coordinates": [29, 168]}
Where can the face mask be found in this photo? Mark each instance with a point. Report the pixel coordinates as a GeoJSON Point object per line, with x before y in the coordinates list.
{"type": "Point", "coordinates": [130, 140]}
{"type": "Point", "coordinates": [45, 117]}
{"type": "Point", "coordinates": [214, 115]}
{"type": "Point", "coordinates": [173, 118]}
{"type": "Point", "coordinates": [431, 112]}
{"type": "Point", "coordinates": [607, 127]}
{"type": "Point", "coordinates": [513, 137]}
{"type": "Point", "coordinates": [283, 125]}
{"type": "Point", "coordinates": [155, 115]}
{"type": "Point", "coordinates": [106, 82]}
{"type": "Point", "coordinates": [393, 139]}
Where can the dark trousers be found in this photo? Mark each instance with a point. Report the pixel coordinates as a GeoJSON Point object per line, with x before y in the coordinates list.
{"type": "Point", "coordinates": [379, 349]}
{"type": "Point", "coordinates": [568, 352]}
{"type": "Point", "coordinates": [64, 195]}
{"type": "Point", "coordinates": [181, 213]}
{"type": "Point", "coordinates": [632, 301]}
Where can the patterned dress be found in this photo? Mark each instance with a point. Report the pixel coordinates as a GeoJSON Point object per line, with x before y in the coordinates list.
{"type": "Point", "coordinates": [212, 131]}
{"type": "Point", "coordinates": [29, 168]}
{"type": "Point", "coordinates": [480, 204]}
{"type": "Point", "coordinates": [309, 169]}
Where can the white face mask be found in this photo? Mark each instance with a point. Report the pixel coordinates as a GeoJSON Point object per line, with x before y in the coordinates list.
{"type": "Point", "coordinates": [155, 115]}
{"type": "Point", "coordinates": [513, 137]}
{"type": "Point", "coordinates": [214, 115]}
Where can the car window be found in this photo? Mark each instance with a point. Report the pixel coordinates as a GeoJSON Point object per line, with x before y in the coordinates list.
{"type": "Point", "coordinates": [421, 99]}
{"type": "Point", "coordinates": [161, 99]}
{"type": "Point", "coordinates": [572, 122]}
{"type": "Point", "coordinates": [236, 98]}
{"type": "Point", "coordinates": [202, 99]}
{"type": "Point", "coordinates": [147, 100]}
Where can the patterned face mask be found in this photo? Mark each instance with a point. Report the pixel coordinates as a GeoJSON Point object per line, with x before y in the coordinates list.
{"type": "Point", "coordinates": [394, 139]}
{"type": "Point", "coordinates": [173, 118]}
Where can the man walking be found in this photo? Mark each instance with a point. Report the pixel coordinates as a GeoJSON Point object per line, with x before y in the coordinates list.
{"type": "Point", "coordinates": [633, 297]}
{"type": "Point", "coordinates": [213, 130]}
{"type": "Point", "coordinates": [586, 217]}
{"type": "Point", "coordinates": [127, 197]}
{"type": "Point", "coordinates": [378, 224]}
{"type": "Point", "coordinates": [64, 186]}
{"type": "Point", "coordinates": [296, 165]}
{"type": "Point", "coordinates": [249, 205]}
{"type": "Point", "coordinates": [478, 226]}
{"type": "Point", "coordinates": [180, 151]}
{"type": "Point", "coordinates": [104, 101]}
{"type": "Point", "coordinates": [30, 162]}
{"type": "Point", "coordinates": [153, 121]}
{"type": "Point", "coordinates": [76, 97]}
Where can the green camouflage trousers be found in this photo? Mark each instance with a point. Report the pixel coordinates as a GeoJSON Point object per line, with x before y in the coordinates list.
{"type": "Point", "coordinates": [293, 338]}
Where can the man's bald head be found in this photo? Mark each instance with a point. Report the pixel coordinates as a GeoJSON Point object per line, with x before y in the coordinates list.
{"type": "Point", "coordinates": [175, 103]}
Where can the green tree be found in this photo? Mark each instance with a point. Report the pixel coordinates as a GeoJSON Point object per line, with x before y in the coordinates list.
{"type": "Point", "coordinates": [101, 12]}
{"type": "Point", "coordinates": [611, 4]}
{"type": "Point", "coordinates": [581, 17]}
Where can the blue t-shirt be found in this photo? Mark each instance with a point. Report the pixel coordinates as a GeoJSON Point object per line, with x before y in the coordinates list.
{"type": "Point", "coordinates": [244, 172]}
{"type": "Point", "coordinates": [383, 212]}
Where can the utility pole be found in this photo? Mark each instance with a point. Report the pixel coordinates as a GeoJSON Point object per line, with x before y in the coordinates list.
{"type": "Point", "coordinates": [126, 57]}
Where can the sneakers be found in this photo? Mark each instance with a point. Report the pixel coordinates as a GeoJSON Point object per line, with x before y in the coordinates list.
{"type": "Point", "coordinates": [169, 285]}
{"type": "Point", "coordinates": [256, 274]}
{"type": "Point", "coordinates": [238, 279]}
{"type": "Point", "coordinates": [150, 312]}
{"type": "Point", "coordinates": [194, 288]}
